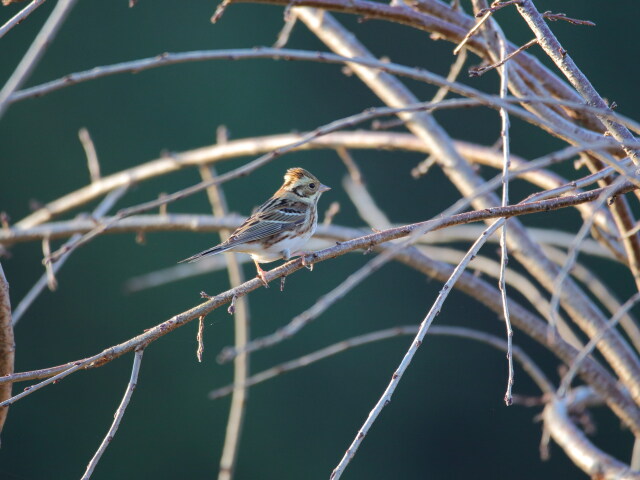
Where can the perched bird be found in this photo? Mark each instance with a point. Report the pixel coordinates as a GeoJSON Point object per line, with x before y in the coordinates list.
{"type": "Point", "coordinates": [280, 226]}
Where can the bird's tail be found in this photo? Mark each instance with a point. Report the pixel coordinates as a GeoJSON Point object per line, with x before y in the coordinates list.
{"type": "Point", "coordinates": [206, 253]}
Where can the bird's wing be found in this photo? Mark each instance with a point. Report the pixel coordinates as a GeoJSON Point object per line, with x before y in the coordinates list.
{"type": "Point", "coordinates": [273, 217]}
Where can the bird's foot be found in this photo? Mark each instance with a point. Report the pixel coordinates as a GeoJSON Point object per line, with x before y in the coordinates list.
{"type": "Point", "coordinates": [263, 278]}
{"type": "Point", "coordinates": [305, 262]}
{"type": "Point", "coordinates": [261, 275]}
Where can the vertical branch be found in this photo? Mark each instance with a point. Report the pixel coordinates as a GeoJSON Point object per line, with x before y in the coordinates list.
{"type": "Point", "coordinates": [35, 52]}
{"type": "Point", "coordinates": [91, 154]}
{"type": "Point", "coordinates": [506, 163]}
{"type": "Point", "coordinates": [7, 344]}
{"type": "Point", "coordinates": [241, 332]}
{"type": "Point", "coordinates": [133, 381]}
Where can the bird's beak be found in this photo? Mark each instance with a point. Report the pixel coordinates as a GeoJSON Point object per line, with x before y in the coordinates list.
{"type": "Point", "coordinates": [323, 188]}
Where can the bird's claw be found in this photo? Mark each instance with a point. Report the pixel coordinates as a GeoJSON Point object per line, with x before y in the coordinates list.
{"type": "Point", "coordinates": [263, 278]}
{"type": "Point", "coordinates": [308, 265]}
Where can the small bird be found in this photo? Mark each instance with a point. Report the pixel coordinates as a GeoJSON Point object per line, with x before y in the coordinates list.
{"type": "Point", "coordinates": [280, 226]}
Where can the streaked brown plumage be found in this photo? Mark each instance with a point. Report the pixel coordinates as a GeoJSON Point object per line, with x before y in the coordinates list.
{"type": "Point", "coordinates": [279, 227]}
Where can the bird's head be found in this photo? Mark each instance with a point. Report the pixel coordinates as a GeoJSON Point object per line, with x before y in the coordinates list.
{"type": "Point", "coordinates": [302, 184]}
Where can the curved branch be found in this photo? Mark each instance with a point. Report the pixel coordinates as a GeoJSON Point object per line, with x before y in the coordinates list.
{"type": "Point", "coordinates": [527, 363]}
{"type": "Point", "coordinates": [577, 446]}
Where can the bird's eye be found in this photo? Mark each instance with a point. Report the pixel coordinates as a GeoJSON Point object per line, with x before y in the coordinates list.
{"type": "Point", "coordinates": [312, 186]}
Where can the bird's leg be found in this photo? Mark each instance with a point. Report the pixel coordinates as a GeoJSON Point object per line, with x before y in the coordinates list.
{"type": "Point", "coordinates": [261, 275]}
{"type": "Point", "coordinates": [286, 254]}
{"type": "Point", "coordinates": [282, 280]}
{"type": "Point", "coordinates": [305, 263]}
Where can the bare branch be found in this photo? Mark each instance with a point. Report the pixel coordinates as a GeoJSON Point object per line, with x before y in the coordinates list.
{"type": "Point", "coordinates": [415, 344]}
{"type": "Point", "coordinates": [563, 16]}
{"type": "Point", "coordinates": [529, 366]}
{"type": "Point", "coordinates": [19, 17]}
{"type": "Point", "coordinates": [577, 446]}
{"type": "Point", "coordinates": [90, 152]}
{"type": "Point", "coordinates": [101, 210]}
{"type": "Point", "coordinates": [7, 344]}
{"type": "Point", "coordinates": [565, 384]}
{"type": "Point", "coordinates": [580, 82]}
{"type": "Point", "coordinates": [133, 382]}
{"type": "Point", "coordinates": [506, 151]}
{"type": "Point", "coordinates": [35, 52]}
{"type": "Point", "coordinates": [478, 71]}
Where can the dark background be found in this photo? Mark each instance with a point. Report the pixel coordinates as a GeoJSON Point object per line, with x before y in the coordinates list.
{"type": "Point", "coordinates": [447, 419]}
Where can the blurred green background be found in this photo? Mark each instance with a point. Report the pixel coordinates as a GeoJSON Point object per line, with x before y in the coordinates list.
{"type": "Point", "coordinates": [447, 419]}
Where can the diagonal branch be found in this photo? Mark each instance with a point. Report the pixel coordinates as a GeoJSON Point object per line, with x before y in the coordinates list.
{"type": "Point", "coordinates": [131, 386]}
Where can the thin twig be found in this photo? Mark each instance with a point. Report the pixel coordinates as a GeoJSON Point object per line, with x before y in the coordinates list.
{"type": "Point", "coordinates": [568, 377]}
{"type": "Point", "coordinates": [54, 379]}
{"type": "Point", "coordinates": [352, 167]}
{"type": "Point", "coordinates": [563, 274]}
{"type": "Point", "coordinates": [472, 32]}
{"type": "Point", "coordinates": [35, 52]}
{"type": "Point", "coordinates": [505, 126]}
{"type": "Point", "coordinates": [529, 366]}
{"type": "Point", "coordinates": [495, 6]}
{"type": "Point", "coordinates": [91, 154]}
{"type": "Point", "coordinates": [563, 16]}
{"type": "Point", "coordinates": [415, 344]}
{"type": "Point", "coordinates": [285, 32]}
{"type": "Point", "coordinates": [52, 283]}
{"type": "Point", "coordinates": [454, 71]}
{"type": "Point", "coordinates": [19, 17]}
{"type": "Point", "coordinates": [103, 207]}
{"type": "Point", "coordinates": [600, 290]}
{"type": "Point", "coordinates": [478, 71]}
{"type": "Point", "coordinates": [331, 213]}
{"type": "Point", "coordinates": [131, 386]}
